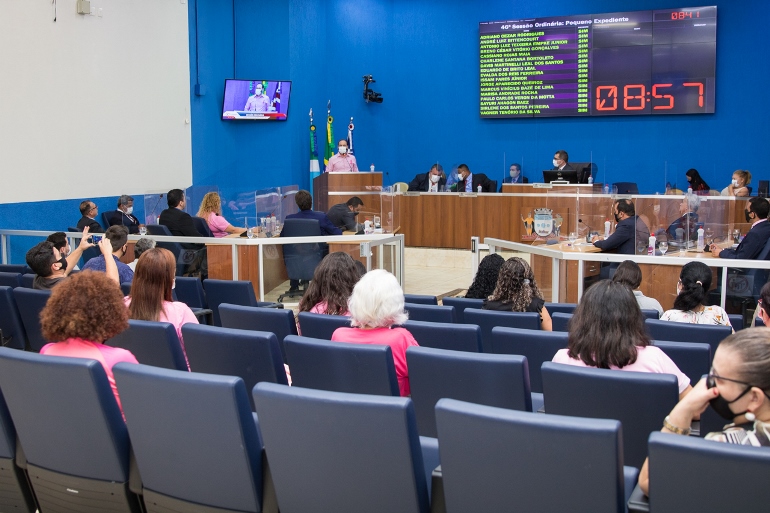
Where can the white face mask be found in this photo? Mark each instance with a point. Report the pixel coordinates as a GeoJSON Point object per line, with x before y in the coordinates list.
{"type": "Point", "coordinates": [735, 183]}
{"type": "Point", "coordinates": [434, 178]}
{"type": "Point", "coordinates": [460, 176]}
{"type": "Point", "coordinates": [514, 174]}
{"type": "Point", "coordinates": [130, 210]}
{"type": "Point", "coordinates": [555, 163]}
{"type": "Point", "coordinates": [343, 150]}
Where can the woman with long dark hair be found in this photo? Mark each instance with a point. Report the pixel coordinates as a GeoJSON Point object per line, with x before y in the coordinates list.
{"type": "Point", "coordinates": [607, 331]}
{"type": "Point", "coordinates": [697, 184]}
{"type": "Point", "coordinates": [331, 286]}
{"type": "Point", "coordinates": [486, 277]}
{"type": "Point", "coordinates": [692, 293]}
{"type": "Point", "coordinates": [516, 291]}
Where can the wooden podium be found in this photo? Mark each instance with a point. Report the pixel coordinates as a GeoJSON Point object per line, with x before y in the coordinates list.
{"type": "Point", "coordinates": [330, 189]}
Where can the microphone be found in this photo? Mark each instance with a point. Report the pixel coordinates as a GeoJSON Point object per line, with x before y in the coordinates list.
{"type": "Point", "coordinates": [588, 235]}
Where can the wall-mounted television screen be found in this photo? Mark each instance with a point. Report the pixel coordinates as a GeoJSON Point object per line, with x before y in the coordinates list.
{"type": "Point", "coordinates": [256, 100]}
{"type": "Point", "coordinates": [621, 63]}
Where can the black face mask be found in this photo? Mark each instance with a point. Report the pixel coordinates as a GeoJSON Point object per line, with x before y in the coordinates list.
{"type": "Point", "coordinates": [617, 216]}
{"type": "Point", "coordinates": [722, 406]}
{"type": "Point", "coordinates": [63, 262]}
{"type": "Point", "coordinates": [748, 215]}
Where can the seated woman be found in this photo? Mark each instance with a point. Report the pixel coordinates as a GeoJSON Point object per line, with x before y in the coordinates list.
{"type": "Point", "coordinates": [696, 183]}
{"type": "Point", "coordinates": [486, 277]}
{"type": "Point", "coordinates": [739, 184]}
{"type": "Point", "coordinates": [211, 211]}
{"type": "Point", "coordinates": [737, 388]}
{"type": "Point", "coordinates": [85, 310]}
{"type": "Point", "coordinates": [692, 292]}
{"type": "Point", "coordinates": [151, 298]}
{"type": "Point", "coordinates": [630, 274]}
{"type": "Point", "coordinates": [516, 291]}
{"type": "Point", "coordinates": [607, 331]}
{"type": "Point", "coordinates": [376, 306]}
{"type": "Point", "coordinates": [331, 286]}
{"type": "Point", "coordinates": [687, 221]}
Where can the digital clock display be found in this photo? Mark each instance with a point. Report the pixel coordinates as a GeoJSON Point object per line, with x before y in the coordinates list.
{"type": "Point", "coordinates": [624, 63]}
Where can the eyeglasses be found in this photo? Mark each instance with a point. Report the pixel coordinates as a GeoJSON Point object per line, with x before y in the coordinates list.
{"type": "Point", "coordinates": [711, 380]}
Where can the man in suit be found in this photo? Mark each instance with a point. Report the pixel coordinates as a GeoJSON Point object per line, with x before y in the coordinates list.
{"type": "Point", "coordinates": [432, 181]}
{"type": "Point", "coordinates": [343, 215]}
{"type": "Point", "coordinates": [515, 176]}
{"type": "Point", "coordinates": [751, 246]}
{"type": "Point", "coordinates": [561, 161]}
{"type": "Point", "coordinates": [124, 215]}
{"type": "Point", "coordinates": [628, 231]}
{"type": "Point", "coordinates": [89, 211]}
{"type": "Point", "coordinates": [180, 224]}
{"type": "Point", "coordinates": [469, 182]}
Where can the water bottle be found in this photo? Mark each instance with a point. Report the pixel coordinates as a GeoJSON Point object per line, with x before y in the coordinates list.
{"type": "Point", "coordinates": [478, 189]}
{"type": "Point", "coordinates": [689, 190]}
{"type": "Point", "coordinates": [371, 168]}
{"type": "Point", "coordinates": [651, 246]}
{"type": "Point", "coordinates": [606, 188]}
{"type": "Point", "coordinates": [590, 180]}
{"type": "Point", "coordinates": [701, 242]}
{"type": "Point", "coordinates": [607, 229]}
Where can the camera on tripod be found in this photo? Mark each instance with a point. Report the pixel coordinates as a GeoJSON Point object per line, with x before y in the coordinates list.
{"type": "Point", "coordinates": [369, 95]}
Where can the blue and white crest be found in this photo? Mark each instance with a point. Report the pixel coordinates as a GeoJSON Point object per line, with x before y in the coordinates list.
{"type": "Point", "coordinates": [543, 221]}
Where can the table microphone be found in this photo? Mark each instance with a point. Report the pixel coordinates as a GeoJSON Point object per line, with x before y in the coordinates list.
{"type": "Point", "coordinates": [588, 235]}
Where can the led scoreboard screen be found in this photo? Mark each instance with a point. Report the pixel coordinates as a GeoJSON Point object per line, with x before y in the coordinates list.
{"type": "Point", "coordinates": [622, 63]}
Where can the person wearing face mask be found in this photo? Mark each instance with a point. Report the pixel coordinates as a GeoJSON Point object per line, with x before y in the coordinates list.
{"type": "Point", "coordinates": [62, 243]}
{"type": "Point", "coordinates": [756, 212]}
{"type": "Point", "coordinates": [258, 101]}
{"type": "Point", "coordinates": [124, 215]}
{"type": "Point", "coordinates": [342, 161]}
{"type": "Point", "coordinates": [432, 181]}
{"type": "Point", "coordinates": [737, 388]}
{"type": "Point", "coordinates": [118, 237]}
{"type": "Point", "coordinates": [51, 267]}
{"type": "Point", "coordinates": [561, 161]}
{"type": "Point", "coordinates": [151, 297]}
{"type": "Point", "coordinates": [629, 229]}
{"type": "Point", "coordinates": [343, 215]}
{"type": "Point", "coordinates": [739, 185]}
{"type": "Point", "coordinates": [470, 182]}
{"type": "Point", "coordinates": [514, 176]}
{"type": "Point", "coordinates": [692, 295]}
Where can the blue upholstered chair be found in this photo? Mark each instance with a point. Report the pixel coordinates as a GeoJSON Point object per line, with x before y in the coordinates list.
{"type": "Point", "coordinates": [15, 268]}
{"type": "Point", "coordinates": [692, 358]}
{"type": "Point", "coordinates": [567, 308]}
{"type": "Point", "coordinates": [431, 313]}
{"type": "Point", "coordinates": [301, 259]}
{"type": "Point", "coordinates": [461, 304]}
{"type": "Point", "coordinates": [686, 332]}
{"type": "Point", "coordinates": [341, 366]}
{"type": "Point", "coordinates": [68, 422]}
{"type": "Point", "coordinates": [27, 280]}
{"type": "Point", "coordinates": [189, 290]}
{"type": "Point", "coordinates": [495, 459]}
{"type": "Point", "coordinates": [441, 335]}
{"type": "Point", "coordinates": [494, 380]}
{"type": "Point", "coordinates": [355, 452]}
{"type": "Point", "coordinates": [175, 247]}
{"type": "Point", "coordinates": [253, 356]}
{"type": "Point", "coordinates": [15, 493]}
{"type": "Point", "coordinates": [11, 325]}
{"type": "Point", "coordinates": [12, 280]}
{"type": "Point", "coordinates": [736, 320]}
{"type": "Point", "coordinates": [419, 299]}
{"type": "Point", "coordinates": [321, 326]}
{"type": "Point", "coordinates": [196, 442]}
{"type": "Point", "coordinates": [488, 319]}
{"type": "Point", "coordinates": [256, 318]}
{"type": "Point", "coordinates": [152, 343]}
{"type": "Point", "coordinates": [560, 321]}
{"type": "Point", "coordinates": [639, 400]}
{"type": "Point", "coordinates": [30, 303]}
{"type": "Point", "coordinates": [202, 226]}
{"type": "Point", "coordinates": [233, 292]}
{"type": "Point", "coordinates": [650, 314]}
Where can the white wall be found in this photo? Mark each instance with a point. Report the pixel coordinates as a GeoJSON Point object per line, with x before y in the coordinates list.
{"type": "Point", "coordinates": [93, 106]}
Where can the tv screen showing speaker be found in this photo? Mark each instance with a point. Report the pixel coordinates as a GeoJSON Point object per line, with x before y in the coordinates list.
{"type": "Point", "coordinates": [256, 100]}
{"type": "Point", "coordinates": [654, 62]}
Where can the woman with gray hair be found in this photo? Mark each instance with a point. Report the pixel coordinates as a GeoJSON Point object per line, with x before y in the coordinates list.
{"type": "Point", "coordinates": [140, 247]}
{"type": "Point", "coordinates": [376, 306]}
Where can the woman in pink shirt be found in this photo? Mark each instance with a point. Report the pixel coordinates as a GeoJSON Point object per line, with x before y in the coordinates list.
{"type": "Point", "coordinates": [607, 331]}
{"type": "Point", "coordinates": [332, 285]}
{"type": "Point", "coordinates": [151, 298]}
{"type": "Point", "coordinates": [211, 211]}
{"type": "Point", "coordinates": [376, 305]}
{"type": "Point", "coordinates": [85, 310]}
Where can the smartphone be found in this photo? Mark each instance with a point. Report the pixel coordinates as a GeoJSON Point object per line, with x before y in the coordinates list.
{"type": "Point", "coordinates": [97, 238]}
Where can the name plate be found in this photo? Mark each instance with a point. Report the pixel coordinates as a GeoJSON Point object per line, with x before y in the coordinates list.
{"type": "Point", "coordinates": [542, 186]}
{"type": "Point", "coordinates": [468, 194]}
{"type": "Point", "coordinates": [411, 193]}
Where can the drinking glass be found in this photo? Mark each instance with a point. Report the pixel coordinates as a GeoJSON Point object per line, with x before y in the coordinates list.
{"type": "Point", "coordinates": [736, 235]}
{"type": "Point", "coordinates": [663, 247]}
{"type": "Point", "coordinates": [709, 235]}
{"type": "Point", "coordinates": [142, 230]}
{"type": "Point", "coordinates": [572, 237]}
{"type": "Point", "coordinates": [250, 233]}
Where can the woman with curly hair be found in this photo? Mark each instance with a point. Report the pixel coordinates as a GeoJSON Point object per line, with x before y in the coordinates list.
{"type": "Point", "coordinates": [211, 211]}
{"type": "Point", "coordinates": [516, 291]}
{"type": "Point", "coordinates": [486, 277]}
{"type": "Point", "coordinates": [83, 311]}
{"type": "Point", "coordinates": [331, 286]}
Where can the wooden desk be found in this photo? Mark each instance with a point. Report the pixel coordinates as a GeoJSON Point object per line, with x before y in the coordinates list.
{"type": "Point", "coordinates": [332, 188]}
{"type": "Point", "coordinates": [221, 265]}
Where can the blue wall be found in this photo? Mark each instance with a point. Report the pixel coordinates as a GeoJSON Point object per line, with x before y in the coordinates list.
{"type": "Point", "coordinates": [424, 56]}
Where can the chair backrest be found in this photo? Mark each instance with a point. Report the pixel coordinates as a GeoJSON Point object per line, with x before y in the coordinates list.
{"type": "Point", "coordinates": [729, 477]}
{"type": "Point", "coordinates": [71, 429]}
{"type": "Point", "coordinates": [27, 280]}
{"type": "Point", "coordinates": [341, 366]}
{"type": "Point", "coordinates": [538, 346]}
{"type": "Point", "coordinates": [194, 437]}
{"type": "Point", "coordinates": [560, 321]}
{"type": "Point", "coordinates": [692, 358]}
{"type": "Point", "coordinates": [736, 320]}
{"type": "Point", "coordinates": [12, 280]}
{"type": "Point", "coordinates": [567, 308]}
{"type": "Point", "coordinates": [15, 494]}
{"type": "Point", "coordinates": [106, 217]}
{"type": "Point", "coordinates": [626, 187]}
{"type": "Point", "coordinates": [11, 325]}
{"type": "Point", "coordinates": [301, 259]}
{"type": "Point", "coordinates": [493, 459]}
{"type": "Point", "coordinates": [400, 187]}
{"type": "Point", "coordinates": [431, 313]}
{"type": "Point", "coordinates": [442, 335]}
{"type": "Point", "coordinates": [489, 319]}
{"type": "Point", "coordinates": [374, 464]}
{"type": "Point", "coordinates": [491, 379]}
{"type": "Point", "coordinates": [321, 326]}
{"type": "Point", "coordinates": [15, 268]}
{"type": "Point", "coordinates": [650, 314]}
{"type": "Point", "coordinates": [253, 356]}
{"type": "Point", "coordinates": [460, 304]}
{"type": "Point", "coordinates": [30, 303]}
{"type": "Point", "coordinates": [174, 247]}
{"type": "Point", "coordinates": [686, 332]}
{"type": "Point", "coordinates": [256, 318]}
{"type": "Point", "coordinates": [202, 226]}
{"type": "Point", "coordinates": [152, 343]}
{"type": "Point", "coordinates": [639, 400]}
{"type": "Point", "coordinates": [189, 290]}
{"type": "Point", "coordinates": [125, 288]}
{"type": "Point", "coordinates": [420, 299]}
{"type": "Point", "coordinates": [234, 292]}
